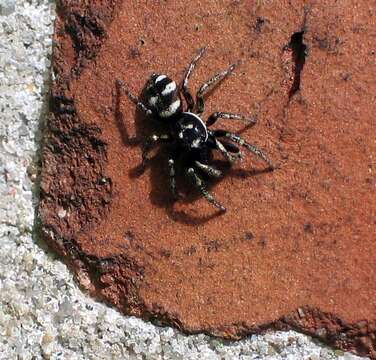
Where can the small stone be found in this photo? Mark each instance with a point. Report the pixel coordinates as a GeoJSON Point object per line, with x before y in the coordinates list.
{"type": "Point", "coordinates": [314, 357]}
{"type": "Point", "coordinates": [28, 262]}
{"type": "Point", "coordinates": [321, 332]}
{"type": "Point", "coordinates": [62, 213]}
{"type": "Point", "coordinates": [248, 235]}
{"type": "Point", "coordinates": [47, 338]}
{"type": "Point", "coordinates": [7, 7]}
{"type": "Point", "coordinates": [102, 181]}
{"type": "Point", "coordinates": [301, 313]}
{"type": "Point", "coordinates": [28, 39]}
{"type": "Point", "coordinates": [65, 310]}
{"type": "Point", "coordinates": [31, 88]}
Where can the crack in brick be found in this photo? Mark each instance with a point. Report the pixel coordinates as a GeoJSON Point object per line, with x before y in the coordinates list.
{"type": "Point", "coordinates": [299, 53]}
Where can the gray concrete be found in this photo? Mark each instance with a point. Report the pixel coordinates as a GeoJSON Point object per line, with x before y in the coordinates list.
{"type": "Point", "coordinates": [43, 314]}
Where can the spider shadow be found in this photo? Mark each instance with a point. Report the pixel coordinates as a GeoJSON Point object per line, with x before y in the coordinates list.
{"type": "Point", "coordinates": [191, 194]}
{"type": "Point", "coordinates": [144, 125]}
{"type": "Point", "coordinates": [117, 97]}
{"type": "Point", "coordinates": [160, 194]}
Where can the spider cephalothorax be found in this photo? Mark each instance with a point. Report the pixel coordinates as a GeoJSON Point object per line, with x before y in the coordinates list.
{"type": "Point", "coordinates": [191, 142]}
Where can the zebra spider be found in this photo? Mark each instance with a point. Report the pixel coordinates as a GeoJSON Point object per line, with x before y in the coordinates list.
{"type": "Point", "coordinates": [191, 140]}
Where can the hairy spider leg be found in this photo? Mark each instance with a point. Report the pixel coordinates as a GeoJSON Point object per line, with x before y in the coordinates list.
{"type": "Point", "coordinates": [133, 97]}
{"type": "Point", "coordinates": [229, 116]}
{"type": "Point", "coordinates": [230, 147]}
{"type": "Point", "coordinates": [252, 148]}
{"type": "Point", "coordinates": [229, 157]}
{"type": "Point", "coordinates": [150, 143]}
{"type": "Point", "coordinates": [209, 85]}
{"type": "Point", "coordinates": [209, 170]}
{"type": "Point", "coordinates": [186, 93]}
{"type": "Point", "coordinates": [171, 166]}
{"type": "Point", "coordinates": [200, 185]}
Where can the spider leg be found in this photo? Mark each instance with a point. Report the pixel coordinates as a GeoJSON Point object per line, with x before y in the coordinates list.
{"type": "Point", "coordinates": [186, 93]}
{"type": "Point", "coordinates": [232, 148]}
{"type": "Point", "coordinates": [171, 165]}
{"type": "Point", "coordinates": [229, 157]}
{"type": "Point", "coordinates": [209, 85]}
{"type": "Point", "coordinates": [209, 170]}
{"type": "Point", "coordinates": [252, 148]}
{"type": "Point", "coordinates": [229, 116]}
{"type": "Point", "coordinates": [150, 143]}
{"type": "Point", "coordinates": [120, 84]}
{"type": "Point", "coordinates": [200, 185]}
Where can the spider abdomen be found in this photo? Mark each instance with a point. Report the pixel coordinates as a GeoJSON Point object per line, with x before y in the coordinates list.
{"type": "Point", "coordinates": [162, 96]}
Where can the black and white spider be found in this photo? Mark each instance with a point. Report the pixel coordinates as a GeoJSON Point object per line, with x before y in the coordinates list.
{"type": "Point", "coordinates": [191, 141]}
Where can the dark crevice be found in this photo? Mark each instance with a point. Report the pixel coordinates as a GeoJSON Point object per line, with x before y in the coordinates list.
{"type": "Point", "coordinates": [298, 49]}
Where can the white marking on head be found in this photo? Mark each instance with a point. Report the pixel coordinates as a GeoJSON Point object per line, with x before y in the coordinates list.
{"type": "Point", "coordinates": [170, 87]}
{"type": "Point", "coordinates": [160, 78]}
{"type": "Point", "coordinates": [196, 143]}
{"type": "Point", "coordinates": [171, 109]}
{"type": "Point", "coordinates": [153, 100]}
{"type": "Point", "coordinates": [181, 135]}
